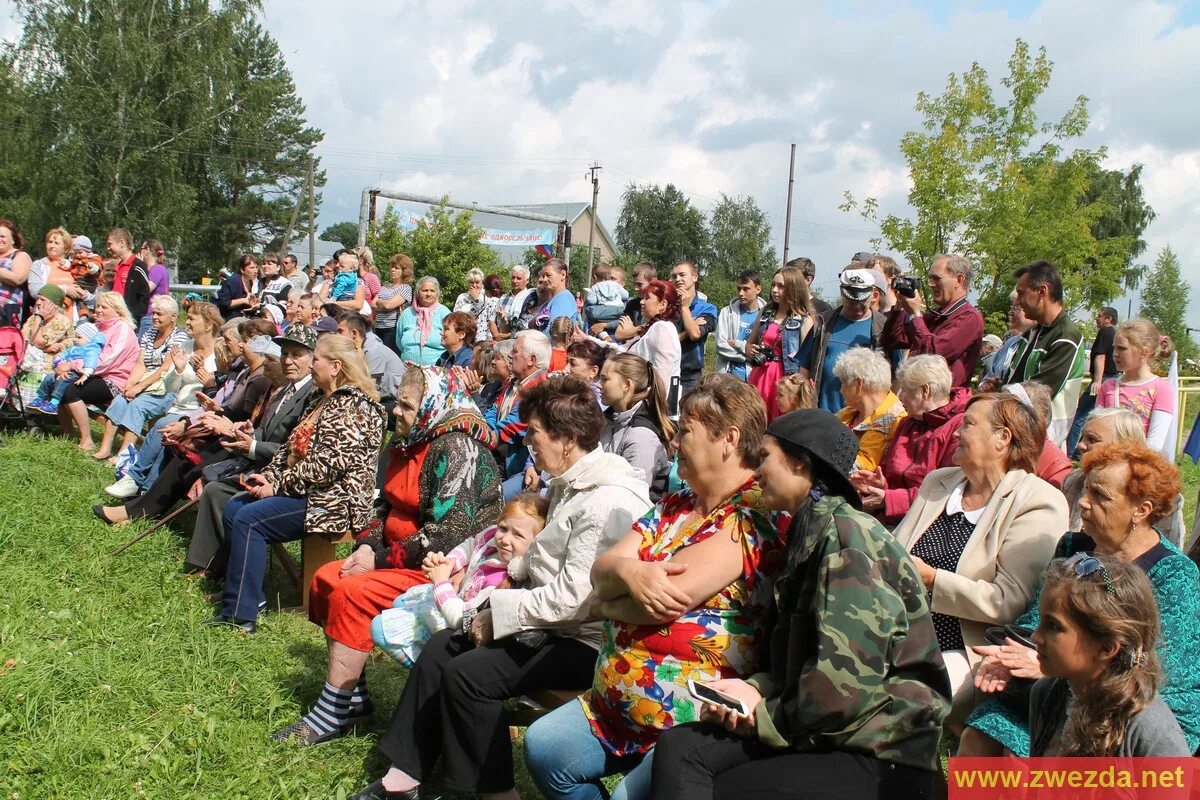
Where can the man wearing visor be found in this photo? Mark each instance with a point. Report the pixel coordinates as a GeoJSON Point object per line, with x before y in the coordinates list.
{"type": "Point", "coordinates": [851, 324]}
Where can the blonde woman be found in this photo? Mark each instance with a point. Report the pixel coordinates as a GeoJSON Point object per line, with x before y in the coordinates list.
{"type": "Point", "coordinates": [55, 268]}
{"type": "Point", "coordinates": [321, 481]}
{"type": "Point", "coordinates": [107, 381]}
{"type": "Point", "coordinates": [476, 302]}
{"type": "Point", "coordinates": [872, 410]}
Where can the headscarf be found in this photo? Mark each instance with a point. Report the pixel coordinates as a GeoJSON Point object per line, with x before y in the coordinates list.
{"type": "Point", "coordinates": [424, 315]}
{"type": "Point", "coordinates": [446, 406]}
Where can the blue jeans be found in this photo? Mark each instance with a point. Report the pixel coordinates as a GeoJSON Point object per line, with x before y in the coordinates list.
{"type": "Point", "coordinates": [144, 324]}
{"type": "Point", "coordinates": [252, 525]}
{"type": "Point", "coordinates": [1087, 402]}
{"type": "Point", "coordinates": [566, 760]}
{"type": "Point", "coordinates": [151, 454]}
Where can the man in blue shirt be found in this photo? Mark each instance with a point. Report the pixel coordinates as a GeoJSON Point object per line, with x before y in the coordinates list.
{"type": "Point", "coordinates": [852, 324]}
{"type": "Point", "coordinates": [697, 319]}
{"type": "Point", "coordinates": [736, 322]}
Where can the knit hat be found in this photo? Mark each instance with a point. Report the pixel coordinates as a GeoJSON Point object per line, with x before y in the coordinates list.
{"type": "Point", "coordinates": [830, 445]}
{"type": "Point", "coordinates": [81, 243]}
{"type": "Point", "coordinates": [299, 333]}
{"type": "Point", "coordinates": [87, 330]}
{"type": "Point", "coordinates": [52, 293]}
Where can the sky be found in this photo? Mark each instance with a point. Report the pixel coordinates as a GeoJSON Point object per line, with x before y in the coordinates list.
{"type": "Point", "coordinates": [504, 103]}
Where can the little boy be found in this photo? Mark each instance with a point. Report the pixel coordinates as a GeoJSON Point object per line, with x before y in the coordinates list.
{"type": "Point", "coordinates": [606, 299]}
{"type": "Point", "coordinates": [345, 282]}
{"type": "Point", "coordinates": [85, 353]}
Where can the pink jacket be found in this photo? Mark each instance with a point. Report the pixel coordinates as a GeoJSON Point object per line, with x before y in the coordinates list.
{"type": "Point", "coordinates": [120, 351]}
{"type": "Point", "coordinates": [919, 447]}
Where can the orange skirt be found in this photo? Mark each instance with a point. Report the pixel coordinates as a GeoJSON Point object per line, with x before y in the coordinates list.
{"type": "Point", "coordinates": [346, 606]}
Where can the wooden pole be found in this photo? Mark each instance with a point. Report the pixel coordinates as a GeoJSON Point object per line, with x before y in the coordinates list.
{"type": "Point", "coordinates": [312, 221]}
{"type": "Point", "coordinates": [787, 223]}
{"type": "Point", "coordinates": [592, 232]}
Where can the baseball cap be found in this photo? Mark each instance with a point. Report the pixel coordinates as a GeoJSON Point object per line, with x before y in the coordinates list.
{"type": "Point", "coordinates": [881, 281]}
{"type": "Point", "coordinates": [856, 284]}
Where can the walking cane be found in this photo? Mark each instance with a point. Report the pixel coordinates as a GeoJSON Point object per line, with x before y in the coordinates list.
{"type": "Point", "coordinates": [168, 518]}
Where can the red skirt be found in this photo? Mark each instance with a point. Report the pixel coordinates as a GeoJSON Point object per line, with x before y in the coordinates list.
{"type": "Point", "coordinates": [346, 606]}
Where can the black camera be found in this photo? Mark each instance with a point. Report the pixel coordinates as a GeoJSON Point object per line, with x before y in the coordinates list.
{"type": "Point", "coordinates": [760, 356]}
{"type": "Point", "coordinates": [905, 285]}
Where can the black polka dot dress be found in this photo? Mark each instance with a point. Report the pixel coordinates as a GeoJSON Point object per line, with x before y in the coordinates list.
{"type": "Point", "coordinates": [941, 546]}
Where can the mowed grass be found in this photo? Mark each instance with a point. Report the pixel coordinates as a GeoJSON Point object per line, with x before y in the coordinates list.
{"type": "Point", "coordinates": [110, 687]}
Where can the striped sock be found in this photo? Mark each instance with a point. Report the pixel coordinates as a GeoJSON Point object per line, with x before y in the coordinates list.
{"type": "Point", "coordinates": [331, 711]}
{"type": "Point", "coordinates": [360, 698]}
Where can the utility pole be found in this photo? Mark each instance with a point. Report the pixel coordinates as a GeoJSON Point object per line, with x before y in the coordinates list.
{"type": "Point", "coordinates": [287, 236]}
{"type": "Point", "coordinates": [593, 169]}
{"type": "Point", "coordinates": [312, 222]}
{"type": "Point", "coordinates": [787, 223]}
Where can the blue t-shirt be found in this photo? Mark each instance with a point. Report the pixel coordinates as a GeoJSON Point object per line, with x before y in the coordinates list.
{"type": "Point", "coordinates": [561, 305]}
{"type": "Point", "coordinates": [843, 334]}
{"type": "Point", "coordinates": [745, 324]}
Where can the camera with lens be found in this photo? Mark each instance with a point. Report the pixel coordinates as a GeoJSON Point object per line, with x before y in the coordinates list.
{"type": "Point", "coordinates": [905, 285]}
{"type": "Point", "coordinates": [760, 356]}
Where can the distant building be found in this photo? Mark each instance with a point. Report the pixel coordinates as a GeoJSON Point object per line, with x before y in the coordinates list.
{"type": "Point", "coordinates": [325, 251]}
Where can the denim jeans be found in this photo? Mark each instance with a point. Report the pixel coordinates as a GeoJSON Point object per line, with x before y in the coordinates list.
{"type": "Point", "coordinates": [252, 525]}
{"type": "Point", "coordinates": [151, 454]}
{"type": "Point", "coordinates": [1087, 402]}
{"type": "Point", "coordinates": [566, 760]}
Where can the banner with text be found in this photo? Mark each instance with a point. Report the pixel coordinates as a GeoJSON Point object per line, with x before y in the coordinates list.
{"type": "Point", "coordinates": [491, 236]}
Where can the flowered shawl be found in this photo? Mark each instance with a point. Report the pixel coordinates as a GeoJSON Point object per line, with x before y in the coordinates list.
{"type": "Point", "coordinates": [446, 406]}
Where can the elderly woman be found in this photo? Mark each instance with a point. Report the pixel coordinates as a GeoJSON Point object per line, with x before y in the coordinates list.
{"type": "Point", "coordinates": [696, 567]}
{"type": "Point", "coordinates": [480, 304]}
{"type": "Point", "coordinates": [1128, 489]}
{"type": "Point", "coordinates": [190, 369]}
{"type": "Point", "coordinates": [1104, 426]}
{"type": "Point", "coordinates": [392, 299]}
{"type": "Point", "coordinates": [320, 483]}
{"type": "Point", "coordinates": [452, 707]}
{"type": "Point", "coordinates": [54, 269]}
{"type": "Point", "coordinates": [117, 360]}
{"type": "Point", "coordinates": [441, 486]}
{"type": "Point", "coordinates": [872, 410]}
{"type": "Point", "coordinates": [14, 273]}
{"type": "Point", "coordinates": [238, 294]}
{"type": "Point", "coordinates": [419, 328]}
{"type": "Point", "coordinates": [48, 331]}
{"type": "Point", "coordinates": [145, 396]}
{"type": "Point", "coordinates": [923, 441]}
{"type": "Point", "coordinates": [981, 532]}
{"type": "Point", "coordinates": [637, 424]}
{"type": "Point", "coordinates": [850, 612]}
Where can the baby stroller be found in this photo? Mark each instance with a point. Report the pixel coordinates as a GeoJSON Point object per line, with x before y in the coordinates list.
{"type": "Point", "coordinates": [12, 353]}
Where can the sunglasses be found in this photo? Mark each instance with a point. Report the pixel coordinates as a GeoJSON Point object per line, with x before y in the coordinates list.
{"type": "Point", "coordinates": [1086, 566]}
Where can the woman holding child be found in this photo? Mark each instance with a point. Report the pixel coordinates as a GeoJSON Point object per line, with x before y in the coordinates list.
{"type": "Point", "coordinates": [441, 487]}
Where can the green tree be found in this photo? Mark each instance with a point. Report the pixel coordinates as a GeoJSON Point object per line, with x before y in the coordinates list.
{"type": "Point", "coordinates": [346, 233]}
{"type": "Point", "coordinates": [1128, 216]}
{"type": "Point", "coordinates": [177, 120]}
{"type": "Point", "coordinates": [445, 245]}
{"type": "Point", "coordinates": [660, 225]}
{"type": "Point", "coordinates": [739, 238]}
{"type": "Point", "coordinates": [578, 279]}
{"type": "Point", "coordinates": [1165, 303]}
{"type": "Point", "coordinates": [993, 182]}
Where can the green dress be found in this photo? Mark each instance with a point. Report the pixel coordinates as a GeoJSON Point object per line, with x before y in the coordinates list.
{"type": "Point", "coordinates": [1176, 582]}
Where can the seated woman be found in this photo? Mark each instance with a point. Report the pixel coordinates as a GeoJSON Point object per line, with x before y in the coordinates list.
{"type": "Point", "coordinates": [117, 359]}
{"type": "Point", "coordinates": [48, 331]}
{"type": "Point", "coordinates": [684, 595]}
{"type": "Point", "coordinates": [452, 707]}
{"type": "Point", "coordinates": [458, 340]}
{"type": "Point", "coordinates": [145, 396]}
{"type": "Point", "coordinates": [924, 440]}
{"type": "Point", "coordinates": [1128, 488]}
{"type": "Point", "coordinates": [850, 613]}
{"type": "Point", "coordinates": [657, 341]}
{"type": "Point", "coordinates": [189, 371]}
{"type": "Point", "coordinates": [1053, 466]}
{"type": "Point", "coordinates": [637, 426]}
{"type": "Point", "coordinates": [872, 411]}
{"type": "Point", "coordinates": [320, 483]}
{"type": "Point", "coordinates": [1096, 639]}
{"type": "Point", "coordinates": [1103, 426]}
{"type": "Point", "coordinates": [441, 486]}
{"type": "Point", "coordinates": [980, 533]}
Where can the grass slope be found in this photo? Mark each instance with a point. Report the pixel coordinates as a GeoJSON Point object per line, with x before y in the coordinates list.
{"type": "Point", "coordinates": [109, 685]}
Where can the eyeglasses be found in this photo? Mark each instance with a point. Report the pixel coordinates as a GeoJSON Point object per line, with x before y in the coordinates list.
{"type": "Point", "coordinates": [1086, 566]}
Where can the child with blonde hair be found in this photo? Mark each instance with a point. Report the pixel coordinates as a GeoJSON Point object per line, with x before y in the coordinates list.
{"type": "Point", "coordinates": [1139, 350]}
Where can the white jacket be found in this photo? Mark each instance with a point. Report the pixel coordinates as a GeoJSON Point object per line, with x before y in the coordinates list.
{"type": "Point", "coordinates": [727, 328]}
{"type": "Point", "coordinates": [592, 505]}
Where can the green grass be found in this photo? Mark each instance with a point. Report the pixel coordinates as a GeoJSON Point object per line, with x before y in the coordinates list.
{"type": "Point", "coordinates": [109, 685]}
{"type": "Point", "coordinates": [111, 688]}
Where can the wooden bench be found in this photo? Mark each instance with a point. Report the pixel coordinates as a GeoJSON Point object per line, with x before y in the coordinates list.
{"type": "Point", "coordinates": [315, 552]}
{"type": "Point", "coordinates": [523, 711]}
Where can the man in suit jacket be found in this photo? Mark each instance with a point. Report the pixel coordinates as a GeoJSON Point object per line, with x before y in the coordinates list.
{"type": "Point", "coordinates": [255, 448]}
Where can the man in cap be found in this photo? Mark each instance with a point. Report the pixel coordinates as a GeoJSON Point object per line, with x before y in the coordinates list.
{"type": "Point", "coordinates": [250, 448]}
{"type": "Point", "coordinates": [851, 324]}
{"type": "Point", "coordinates": [952, 328]}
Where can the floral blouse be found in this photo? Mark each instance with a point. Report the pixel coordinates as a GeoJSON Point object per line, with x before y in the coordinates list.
{"type": "Point", "coordinates": [640, 684]}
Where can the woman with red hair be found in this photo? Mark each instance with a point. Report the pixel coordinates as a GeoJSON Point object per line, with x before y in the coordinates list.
{"type": "Point", "coordinates": [658, 342]}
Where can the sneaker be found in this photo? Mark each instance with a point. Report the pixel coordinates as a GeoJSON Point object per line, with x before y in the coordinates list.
{"type": "Point", "coordinates": [50, 407]}
{"type": "Point", "coordinates": [123, 489]}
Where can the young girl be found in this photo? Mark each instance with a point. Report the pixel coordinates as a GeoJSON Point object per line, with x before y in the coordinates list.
{"type": "Point", "coordinates": [1096, 646]}
{"type": "Point", "coordinates": [1137, 350]}
{"type": "Point", "coordinates": [780, 343]}
{"type": "Point", "coordinates": [461, 581]}
{"type": "Point", "coordinates": [561, 331]}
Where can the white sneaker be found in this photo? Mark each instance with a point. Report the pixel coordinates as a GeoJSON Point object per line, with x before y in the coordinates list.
{"type": "Point", "coordinates": [123, 489]}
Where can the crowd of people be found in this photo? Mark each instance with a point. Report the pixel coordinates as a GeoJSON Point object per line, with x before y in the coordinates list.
{"type": "Point", "coordinates": [858, 528]}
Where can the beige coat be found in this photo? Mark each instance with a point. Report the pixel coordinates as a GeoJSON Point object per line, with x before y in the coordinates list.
{"type": "Point", "coordinates": [1004, 559]}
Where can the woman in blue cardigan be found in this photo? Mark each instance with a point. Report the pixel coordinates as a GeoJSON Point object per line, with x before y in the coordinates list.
{"type": "Point", "coordinates": [238, 294]}
{"type": "Point", "coordinates": [419, 328]}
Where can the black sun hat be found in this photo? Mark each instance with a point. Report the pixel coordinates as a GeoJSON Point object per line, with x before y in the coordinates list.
{"type": "Point", "coordinates": [829, 444]}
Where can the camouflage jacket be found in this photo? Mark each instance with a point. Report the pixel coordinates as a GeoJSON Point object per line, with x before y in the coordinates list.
{"type": "Point", "coordinates": [852, 660]}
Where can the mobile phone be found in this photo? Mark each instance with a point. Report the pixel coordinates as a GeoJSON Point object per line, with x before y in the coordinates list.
{"type": "Point", "coordinates": [1020, 635]}
{"type": "Point", "coordinates": [706, 694]}
{"type": "Point", "coordinates": [995, 634]}
{"type": "Point", "coordinates": [242, 482]}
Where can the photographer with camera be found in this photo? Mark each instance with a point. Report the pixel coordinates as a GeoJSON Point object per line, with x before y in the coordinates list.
{"type": "Point", "coordinates": [952, 328]}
